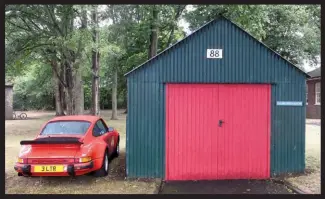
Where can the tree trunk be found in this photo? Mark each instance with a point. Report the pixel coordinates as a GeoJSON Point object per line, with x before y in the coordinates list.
{"type": "Point", "coordinates": [56, 82]}
{"type": "Point", "coordinates": [73, 77]}
{"type": "Point", "coordinates": [114, 86]}
{"type": "Point", "coordinates": [178, 14]}
{"type": "Point", "coordinates": [74, 95]}
{"type": "Point", "coordinates": [114, 96]}
{"type": "Point", "coordinates": [69, 88]}
{"type": "Point", "coordinates": [78, 94]}
{"type": "Point", "coordinates": [53, 101]}
{"type": "Point", "coordinates": [95, 85]}
{"type": "Point", "coordinates": [69, 101]}
{"type": "Point", "coordinates": [153, 44]}
{"type": "Point", "coordinates": [95, 64]}
{"type": "Point", "coordinates": [62, 89]}
{"type": "Point", "coordinates": [62, 97]}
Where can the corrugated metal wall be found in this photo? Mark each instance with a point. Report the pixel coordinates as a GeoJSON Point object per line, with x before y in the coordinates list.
{"type": "Point", "coordinates": [244, 61]}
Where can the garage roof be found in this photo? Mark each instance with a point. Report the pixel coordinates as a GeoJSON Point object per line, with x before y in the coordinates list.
{"type": "Point", "coordinates": [315, 73]}
{"type": "Point", "coordinates": [205, 26]}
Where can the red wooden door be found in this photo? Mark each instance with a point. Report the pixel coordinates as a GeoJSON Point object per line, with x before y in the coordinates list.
{"type": "Point", "coordinates": [199, 147]}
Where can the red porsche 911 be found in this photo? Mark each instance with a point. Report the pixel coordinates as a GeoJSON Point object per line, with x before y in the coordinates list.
{"type": "Point", "coordinates": [69, 146]}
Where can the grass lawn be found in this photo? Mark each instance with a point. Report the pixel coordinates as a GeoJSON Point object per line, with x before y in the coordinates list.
{"type": "Point", "coordinates": [114, 183]}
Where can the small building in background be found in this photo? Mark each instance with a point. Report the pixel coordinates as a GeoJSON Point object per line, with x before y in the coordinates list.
{"type": "Point", "coordinates": [9, 102]}
{"type": "Point", "coordinates": [313, 95]}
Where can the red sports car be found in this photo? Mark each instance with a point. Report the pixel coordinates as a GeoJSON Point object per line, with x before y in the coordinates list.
{"type": "Point", "coordinates": [69, 146]}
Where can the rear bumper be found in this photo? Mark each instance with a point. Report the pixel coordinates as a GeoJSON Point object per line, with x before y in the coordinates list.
{"type": "Point", "coordinates": [23, 169]}
{"type": "Point", "coordinates": [70, 170]}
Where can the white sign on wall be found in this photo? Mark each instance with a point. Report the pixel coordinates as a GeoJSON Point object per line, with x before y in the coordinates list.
{"type": "Point", "coordinates": [214, 53]}
{"type": "Point", "coordinates": [289, 103]}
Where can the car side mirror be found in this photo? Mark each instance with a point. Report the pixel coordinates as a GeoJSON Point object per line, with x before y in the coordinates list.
{"type": "Point", "coordinates": [110, 129]}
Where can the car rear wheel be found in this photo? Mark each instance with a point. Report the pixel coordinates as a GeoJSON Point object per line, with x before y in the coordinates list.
{"type": "Point", "coordinates": [103, 171]}
{"type": "Point", "coordinates": [117, 149]}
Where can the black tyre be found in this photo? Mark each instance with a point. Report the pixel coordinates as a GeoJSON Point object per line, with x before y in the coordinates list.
{"type": "Point", "coordinates": [23, 116]}
{"type": "Point", "coordinates": [117, 149]}
{"type": "Point", "coordinates": [103, 171]}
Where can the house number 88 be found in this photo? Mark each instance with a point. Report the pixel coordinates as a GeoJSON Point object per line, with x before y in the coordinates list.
{"type": "Point", "coordinates": [214, 53]}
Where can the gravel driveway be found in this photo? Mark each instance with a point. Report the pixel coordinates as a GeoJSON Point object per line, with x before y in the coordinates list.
{"type": "Point", "coordinates": [225, 187]}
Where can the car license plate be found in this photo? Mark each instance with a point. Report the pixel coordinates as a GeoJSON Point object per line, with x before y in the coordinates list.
{"type": "Point", "coordinates": [49, 168]}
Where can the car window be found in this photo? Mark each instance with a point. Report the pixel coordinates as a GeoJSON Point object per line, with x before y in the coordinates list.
{"type": "Point", "coordinates": [66, 128]}
{"type": "Point", "coordinates": [99, 128]}
{"type": "Point", "coordinates": [102, 126]}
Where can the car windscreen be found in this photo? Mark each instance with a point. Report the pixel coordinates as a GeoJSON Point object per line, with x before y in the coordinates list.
{"type": "Point", "coordinates": [66, 128]}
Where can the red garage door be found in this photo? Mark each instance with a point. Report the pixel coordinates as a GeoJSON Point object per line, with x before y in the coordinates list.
{"type": "Point", "coordinates": [217, 131]}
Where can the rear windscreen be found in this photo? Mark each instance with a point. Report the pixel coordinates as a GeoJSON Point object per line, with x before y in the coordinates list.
{"type": "Point", "coordinates": [66, 128]}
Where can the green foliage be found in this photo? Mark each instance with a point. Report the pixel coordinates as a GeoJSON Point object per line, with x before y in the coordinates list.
{"type": "Point", "coordinates": [36, 34]}
{"type": "Point", "coordinates": [34, 90]}
{"type": "Point", "coordinates": [291, 30]}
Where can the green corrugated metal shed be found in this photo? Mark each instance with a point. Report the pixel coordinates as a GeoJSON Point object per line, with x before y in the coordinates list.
{"type": "Point", "coordinates": [246, 60]}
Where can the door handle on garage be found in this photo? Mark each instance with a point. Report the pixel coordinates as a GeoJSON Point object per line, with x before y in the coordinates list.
{"type": "Point", "coordinates": [220, 122]}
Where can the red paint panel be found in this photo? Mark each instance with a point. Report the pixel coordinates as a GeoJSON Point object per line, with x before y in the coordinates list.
{"type": "Point", "coordinates": [197, 148]}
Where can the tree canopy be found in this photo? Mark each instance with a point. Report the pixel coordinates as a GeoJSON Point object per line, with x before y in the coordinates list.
{"type": "Point", "coordinates": [50, 50]}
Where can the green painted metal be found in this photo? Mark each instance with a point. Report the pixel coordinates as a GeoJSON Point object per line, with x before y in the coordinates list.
{"type": "Point", "coordinates": [245, 60]}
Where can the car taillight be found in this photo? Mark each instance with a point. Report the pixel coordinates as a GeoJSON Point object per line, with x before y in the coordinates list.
{"type": "Point", "coordinates": [83, 159]}
{"type": "Point", "coordinates": [22, 160]}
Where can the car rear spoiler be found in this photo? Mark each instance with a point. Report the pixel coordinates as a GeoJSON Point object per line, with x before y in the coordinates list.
{"type": "Point", "coordinates": [52, 140]}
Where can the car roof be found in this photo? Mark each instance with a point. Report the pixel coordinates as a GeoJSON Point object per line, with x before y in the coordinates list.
{"type": "Point", "coordinates": [89, 118]}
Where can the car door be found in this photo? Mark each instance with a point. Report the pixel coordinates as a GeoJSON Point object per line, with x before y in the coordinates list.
{"type": "Point", "coordinates": [100, 129]}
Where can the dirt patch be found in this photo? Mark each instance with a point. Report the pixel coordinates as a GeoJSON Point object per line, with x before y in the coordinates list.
{"type": "Point", "coordinates": [114, 183]}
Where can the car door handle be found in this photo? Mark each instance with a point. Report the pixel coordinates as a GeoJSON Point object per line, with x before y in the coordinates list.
{"type": "Point", "coordinates": [220, 123]}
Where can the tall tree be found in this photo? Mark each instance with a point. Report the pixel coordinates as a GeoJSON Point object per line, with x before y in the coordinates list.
{"type": "Point", "coordinates": [59, 110]}
{"type": "Point", "coordinates": [153, 42]}
{"type": "Point", "coordinates": [114, 17]}
{"type": "Point", "coordinates": [95, 62]}
{"type": "Point", "coordinates": [49, 32]}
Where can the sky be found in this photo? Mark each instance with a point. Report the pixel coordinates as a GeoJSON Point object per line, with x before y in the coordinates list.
{"type": "Point", "coordinates": [183, 23]}
{"type": "Point", "coordinates": [309, 68]}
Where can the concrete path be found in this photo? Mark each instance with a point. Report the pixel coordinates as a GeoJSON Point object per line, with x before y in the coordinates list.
{"type": "Point", "coordinates": [224, 187]}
